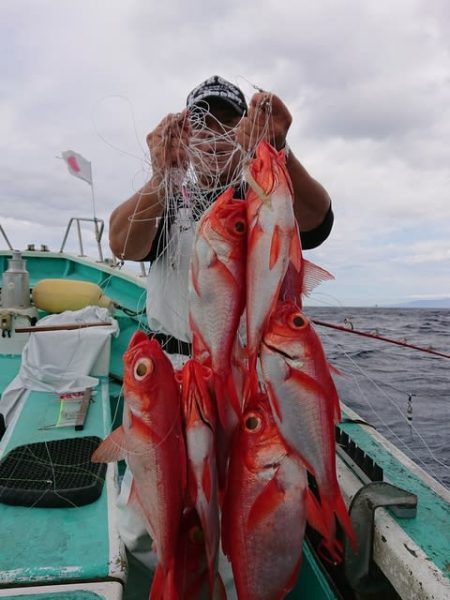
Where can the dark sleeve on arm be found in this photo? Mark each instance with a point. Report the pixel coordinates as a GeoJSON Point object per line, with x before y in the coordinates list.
{"type": "Point", "coordinates": [314, 237]}
{"type": "Point", "coordinates": [158, 242]}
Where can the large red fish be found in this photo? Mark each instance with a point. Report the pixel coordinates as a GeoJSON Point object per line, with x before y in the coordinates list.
{"type": "Point", "coordinates": [273, 239]}
{"type": "Point", "coordinates": [305, 403]}
{"type": "Point", "coordinates": [151, 441]}
{"type": "Point", "coordinates": [264, 510]}
{"type": "Point", "coordinates": [216, 290]}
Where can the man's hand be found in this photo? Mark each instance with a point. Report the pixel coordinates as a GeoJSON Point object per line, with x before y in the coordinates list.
{"type": "Point", "coordinates": [168, 143]}
{"type": "Point", "coordinates": [268, 118]}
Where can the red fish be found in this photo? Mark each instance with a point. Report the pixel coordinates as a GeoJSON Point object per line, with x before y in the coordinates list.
{"type": "Point", "coordinates": [191, 565]}
{"type": "Point", "coordinates": [216, 290]}
{"type": "Point", "coordinates": [200, 426]}
{"type": "Point", "coordinates": [151, 441]}
{"type": "Point", "coordinates": [264, 510]}
{"type": "Point", "coordinates": [273, 239]}
{"type": "Point", "coordinates": [305, 403]}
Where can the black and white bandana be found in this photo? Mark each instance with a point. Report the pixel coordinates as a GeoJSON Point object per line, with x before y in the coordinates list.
{"type": "Point", "coordinates": [217, 87]}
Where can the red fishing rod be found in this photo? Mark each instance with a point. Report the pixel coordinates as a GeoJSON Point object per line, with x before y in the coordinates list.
{"type": "Point", "coordinates": [379, 337]}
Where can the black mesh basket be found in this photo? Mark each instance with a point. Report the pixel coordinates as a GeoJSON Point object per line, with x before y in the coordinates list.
{"type": "Point", "coordinates": [54, 474]}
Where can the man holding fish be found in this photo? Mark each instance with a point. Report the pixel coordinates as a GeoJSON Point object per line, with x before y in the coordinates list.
{"type": "Point", "coordinates": [211, 139]}
{"type": "Point", "coordinates": [196, 285]}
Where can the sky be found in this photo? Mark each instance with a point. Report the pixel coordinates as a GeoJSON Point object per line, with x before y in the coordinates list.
{"type": "Point", "coordinates": [367, 83]}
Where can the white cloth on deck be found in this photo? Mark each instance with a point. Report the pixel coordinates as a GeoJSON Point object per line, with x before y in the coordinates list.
{"type": "Point", "coordinates": [60, 361]}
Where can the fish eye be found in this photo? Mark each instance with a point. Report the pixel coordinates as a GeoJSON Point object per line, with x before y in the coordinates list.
{"type": "Point", "coordinates": [142, 367]}
{"type": "Point", "coordinates": [240, 226]}
{"type": "Point", "coordinates": [298, 321]}
{"type": "Point", "coordinates": [252, 422]}
{"type": "Point", "coordinates": [196, 535]}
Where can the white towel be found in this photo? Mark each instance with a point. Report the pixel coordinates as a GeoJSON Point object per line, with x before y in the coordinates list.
{"type": "Point", "coordinates": [60, 361]}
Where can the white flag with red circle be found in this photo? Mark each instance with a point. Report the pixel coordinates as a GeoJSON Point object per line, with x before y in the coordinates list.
{"type": "Point", "coordinates": [78, 166]}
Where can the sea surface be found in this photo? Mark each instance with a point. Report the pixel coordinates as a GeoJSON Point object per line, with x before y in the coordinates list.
{"type": "Point", "coordinates": [403, 392]}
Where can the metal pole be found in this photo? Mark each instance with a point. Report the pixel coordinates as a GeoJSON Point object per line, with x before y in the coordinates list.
{"type": "Point", "coordinates": [97, 233]}
{"type": "Point", "coordinates": [79, 238]}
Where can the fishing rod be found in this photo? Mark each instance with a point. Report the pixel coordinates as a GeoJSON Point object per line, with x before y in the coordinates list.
{"type": "Point", "coordinates": [379, 337]}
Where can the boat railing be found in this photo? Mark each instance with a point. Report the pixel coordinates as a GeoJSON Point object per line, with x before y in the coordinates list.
{"type": "Point", "coordinates": [99, 226]}
{"type": "Point", "coordinates": [5, 237]}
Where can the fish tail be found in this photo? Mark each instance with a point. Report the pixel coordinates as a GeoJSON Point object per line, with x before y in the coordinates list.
{"type": "Point", "coordinates": [157, 587]}
{"type": "Point", "coordinates": [335, 508]}
{"type": "Point", "coordinates": [164, 585]}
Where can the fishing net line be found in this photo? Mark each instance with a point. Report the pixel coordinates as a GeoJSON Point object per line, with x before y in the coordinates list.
{"type": "Point", "coordinates": [214, 163]}
{"type": "Point", "coordinates": [396, 390]}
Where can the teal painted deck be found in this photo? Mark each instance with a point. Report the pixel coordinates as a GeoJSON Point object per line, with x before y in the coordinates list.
{"type": "Point", "coordinates": [430, 529]}
{"type": "Point", "coordinates": [44, 544]}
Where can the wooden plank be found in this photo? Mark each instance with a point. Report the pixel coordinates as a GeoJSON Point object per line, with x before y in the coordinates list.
{"type": "Point", "coordinates": [63, 327]}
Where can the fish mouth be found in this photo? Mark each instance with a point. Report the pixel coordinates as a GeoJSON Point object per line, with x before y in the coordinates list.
{"type": "Point", "coordinates": [278, 351]}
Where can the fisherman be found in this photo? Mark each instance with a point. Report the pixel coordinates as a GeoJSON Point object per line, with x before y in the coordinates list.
{"type": "Point", "coordinates": [212, 135]}
{"type": "Point", "coordinates": [205, 144]}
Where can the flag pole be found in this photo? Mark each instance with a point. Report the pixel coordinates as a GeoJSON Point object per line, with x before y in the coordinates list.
{"type": "Point", "coordinates": [97, 233]}
{"type": "Point", "coordinates": [80, 167]}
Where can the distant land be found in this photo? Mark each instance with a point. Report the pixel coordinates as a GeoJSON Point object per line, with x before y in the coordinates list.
{"type": "Point", "coordinates": [426, 303]}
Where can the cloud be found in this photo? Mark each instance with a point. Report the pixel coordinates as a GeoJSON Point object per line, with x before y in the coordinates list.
{"type": "Point", "coordinates": [367, 83]}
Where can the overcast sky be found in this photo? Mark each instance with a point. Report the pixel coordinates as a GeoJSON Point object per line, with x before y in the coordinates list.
{"type": "Point", "coordinates": [368, 84]}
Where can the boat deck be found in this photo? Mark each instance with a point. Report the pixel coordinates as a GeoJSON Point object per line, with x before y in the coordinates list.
{"type": "Point", "coordinates": [43, 544]}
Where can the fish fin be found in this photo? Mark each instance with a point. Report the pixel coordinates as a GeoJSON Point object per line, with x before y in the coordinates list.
{"type": "Point", "coordinates": [345, 521]}
{"type": "Point", "coordinates": [335, 370]}
{"type": "Point", "coordinates": [164, 586]}
{"type": "Point", "coordinates": [308, 382]}
{"type": "Point", "coordinates": [275, 247]}
{"type": "Point", "coordinates": [267, 501]}
{"type": "Point", "coordinates": [313, 275]}
{"type": "Point", "coordinates": [254, 234]}
{"type": "Point", "coordinates": [157, 587]}
{"type": "Point", "coordinates": [133, 498]}
{"type": "Point", "coordinates": [314, 514]}
{"type": "Point", "coordinates": [112, 449]}
{"type": "Point", "coordinates": [295, 251]}
{"type": "Point", "coordinates": [330, 547]}
{"type": "Point", "coordinates": [137, 338]}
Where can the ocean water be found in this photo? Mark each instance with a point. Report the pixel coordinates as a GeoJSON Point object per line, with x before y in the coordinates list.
{"type": "Point", "coordinates": [403, 392]}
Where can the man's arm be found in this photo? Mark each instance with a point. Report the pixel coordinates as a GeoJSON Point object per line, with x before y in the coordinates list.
{"type": "Point", "coordinates": [268, 115]}
{"type": "Point", "coordinates": [311, 200]}
{"type": "Point", "coordinates": [134, 223]}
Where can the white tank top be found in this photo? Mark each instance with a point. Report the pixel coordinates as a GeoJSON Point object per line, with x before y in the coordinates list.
{"type": "Point", "coordinates": [168, 279]}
